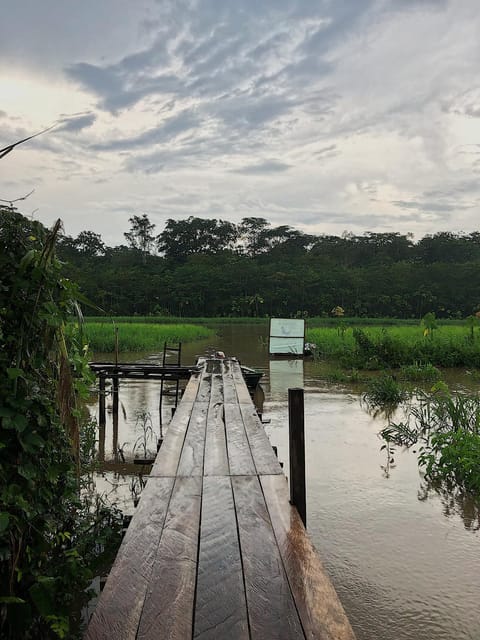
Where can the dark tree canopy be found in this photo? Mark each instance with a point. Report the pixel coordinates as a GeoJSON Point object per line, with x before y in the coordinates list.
{"type": "Point", "coordinates": [213, 267]}
{"type": "Point", "coordinates": [181, 238]}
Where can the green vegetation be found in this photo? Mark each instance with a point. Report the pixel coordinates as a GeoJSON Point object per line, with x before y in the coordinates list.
{"type": "Point", "coordinates": [55, 533]}
{"type": "Point", "coordinates": [141, 336]}
{"type": "Point", "coordinates": [417, 372]}
{"type": "Point", "coordinates": [174, 320]}
{"type": "Point", "coordinates": [384, 392]}
{"type": "Point", "coordinates": [212, 268]}
{"type": "Point", "coordinates": [379, 347]}
{"type": "Point", "coordinates": [447, 428]}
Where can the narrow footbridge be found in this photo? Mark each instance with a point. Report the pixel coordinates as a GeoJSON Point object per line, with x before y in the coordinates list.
{"type": "Point", "coordinates": [215, 550]}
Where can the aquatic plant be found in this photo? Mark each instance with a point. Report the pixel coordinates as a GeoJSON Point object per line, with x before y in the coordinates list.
{"type": "Point", "coordinates": [384, 391]}
{"type": "Point", "coordinates": [447, 428]}
{"type": "Point", "coordinates": [143, 423]}
{"type": "Point", "coordinates": [419, 371]}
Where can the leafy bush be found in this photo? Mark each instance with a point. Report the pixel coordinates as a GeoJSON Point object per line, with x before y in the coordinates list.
{"type": "Point", "coordinates": [49, 530]}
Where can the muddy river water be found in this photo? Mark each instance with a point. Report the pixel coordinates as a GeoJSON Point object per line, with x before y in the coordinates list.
{"type": "Point", "coordinates": [405, 560]}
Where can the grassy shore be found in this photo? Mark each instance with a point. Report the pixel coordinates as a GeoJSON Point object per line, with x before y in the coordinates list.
{"type": "Point", "coordinates": [138, 336]}
{"type": "Point", "coordinates": [378, 347]}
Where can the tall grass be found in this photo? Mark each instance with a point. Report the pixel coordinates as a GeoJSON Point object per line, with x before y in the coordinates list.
{"type": "Point", "coordinates": [379, 347]}
{"type": "Point", "coordinates": [167, 320]}
{"type": "Point", "coordinates": [140, 336]}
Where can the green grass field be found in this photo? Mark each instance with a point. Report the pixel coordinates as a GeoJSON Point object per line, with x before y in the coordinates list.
{"type": "Point", "coordinates": [139, 336]}
{"type": "Point", "coordinates": [374, 347]}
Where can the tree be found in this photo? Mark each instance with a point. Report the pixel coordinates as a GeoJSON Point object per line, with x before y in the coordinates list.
{"type": "Point", "coordinates": [182, 238]}
{"type": "Point", "coordinates": [253, 233]}
{"type": "Point", "coordinates": [89, 243]}
{"type": "Point", "coordinates": [141, 235]}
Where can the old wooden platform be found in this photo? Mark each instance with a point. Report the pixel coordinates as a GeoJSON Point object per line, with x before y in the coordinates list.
{"type": "Point", "coordinates": [215, 550]}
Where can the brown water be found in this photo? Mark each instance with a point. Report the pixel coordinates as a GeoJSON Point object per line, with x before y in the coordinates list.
{"type": "Point", "coordinates": [404, 559]}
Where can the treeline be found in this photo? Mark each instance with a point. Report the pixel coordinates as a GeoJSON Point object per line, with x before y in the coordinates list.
{"type": "Point", "coordinates": [210, 267]}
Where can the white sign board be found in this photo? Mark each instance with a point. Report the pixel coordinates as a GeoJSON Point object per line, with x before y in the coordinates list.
{"type": "Point", "coordinates": [287, 336]}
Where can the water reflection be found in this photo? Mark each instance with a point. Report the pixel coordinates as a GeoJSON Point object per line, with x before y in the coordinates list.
{"type": "Point", "coordinates": [285, 374]}
{"type": "Point", "coordinates": [455, 503]}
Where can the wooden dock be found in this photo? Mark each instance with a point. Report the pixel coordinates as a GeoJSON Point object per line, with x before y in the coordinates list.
{"type": "Point", "coordinates": [215, 550]}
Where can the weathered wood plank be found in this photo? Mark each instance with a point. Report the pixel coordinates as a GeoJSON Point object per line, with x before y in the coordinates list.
{"type": "Point", "coordinates": [191, 459]}
{"type": "Point", "coordinates": [191, 390]}
{"type": "Point", "coordinates": [205, 384]}
{"type": "Point", "coordinates": [220, 606]}
{"type": "Point", "coordinates": [243, 394]}
{"type": "Point", "coordinates": [166, 462]}
{"type": "Point", "coordinates": [120, 605]}
{"type": "Point", "coordinates": [229, 391]}
{"type": "Point", "coordinates": [263, 456]}
{"type": "Point", "coordinates": [168, 608]}
{"type": "Point", "coordinates": [238, 449]}
{"type": "Point", "coordinates": [321, 612]}
{"type": "Point", "coordinates": [216, 392]}
{"type": "Point", "coordinates": [271, 608]}
{"type": "Point", "coordinates": [216, 459]}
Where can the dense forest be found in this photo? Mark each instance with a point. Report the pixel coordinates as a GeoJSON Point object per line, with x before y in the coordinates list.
{"type": "Point", "coordinates": [211, 267]}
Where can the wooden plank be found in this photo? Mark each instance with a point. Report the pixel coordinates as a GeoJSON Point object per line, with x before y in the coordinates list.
{"type": "Point", "coordinates": [168, 608]}
{"type": "Point", "coordinates": [220, 606]}
{"type": "Point", "coordinates": [205, 385]}
{"type": "Point", "coordinates": [216, 393]}
{"type": "Point", "coordinates": [191, 460]}
{"type": "Point", "coordinates": [190, 392]}
{"type": "Point", "coordinates": [265, 460]}
{"type": "Point", "coordinates": [321, 612]}
{"type": "Point", "coordinates": [240, 459]}
{"type": "Point", "coordinates": [271, 608]}
{"type": "Point", "coordinates": [243, 393]}
{"type": "Point", "coordinates": [229, 391]}
{"type": "Point", "coordinates": [216, 459]}
{"type": "Point", "coordinates": [166, 462]}
{"type": "Point", "coordinates": [120, 605]}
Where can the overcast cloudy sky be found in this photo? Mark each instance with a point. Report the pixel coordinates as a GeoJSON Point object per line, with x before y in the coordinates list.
{"type": "Point", "coordinates": [327, 115]}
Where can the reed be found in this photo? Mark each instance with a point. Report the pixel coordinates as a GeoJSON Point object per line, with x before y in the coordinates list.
{"type": "Point", "coordinates": [141, 336]}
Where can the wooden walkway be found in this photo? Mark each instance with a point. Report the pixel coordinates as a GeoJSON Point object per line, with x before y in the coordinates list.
{"type": "Point", "coordinates": [214, 550]}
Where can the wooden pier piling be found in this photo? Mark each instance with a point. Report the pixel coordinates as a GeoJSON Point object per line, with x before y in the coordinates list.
{"type": "Point", "coordinates": [296, 439]}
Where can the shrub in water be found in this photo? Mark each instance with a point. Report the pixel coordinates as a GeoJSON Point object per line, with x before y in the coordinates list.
{"type": "Point", "coordinates": [384, 391]}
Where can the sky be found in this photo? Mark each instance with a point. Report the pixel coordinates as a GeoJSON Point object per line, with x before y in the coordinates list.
{"type": "Point", "coordinates": [330, 116]}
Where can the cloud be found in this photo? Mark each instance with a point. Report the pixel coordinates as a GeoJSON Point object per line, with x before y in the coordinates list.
{"type": "Point", "coordinates": [266, 167]}
{"type": "Point", "coordinates": [199, 96]}
{"type": "Point", "coordinates": [77, 122]}
{"type": "Point", "coordinates": [168, 130]}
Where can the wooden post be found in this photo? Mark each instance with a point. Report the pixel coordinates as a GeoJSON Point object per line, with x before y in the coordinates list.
{"type": "Point", "coordinates": [102, 420]}
{"type": "Point", "coordinates": [115, 385]}
{"type": "Point", "coordinates": [296, 427]}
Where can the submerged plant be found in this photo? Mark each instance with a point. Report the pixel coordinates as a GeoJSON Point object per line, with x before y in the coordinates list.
{"type": "Point", "coordinates": [419, 371]}
{"type": "Point", "coordinates": [384, 391]}
{"type": "Point", "coordinates": [447, 428]}
{"type": "Point", "coordinates": [144, 424]}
